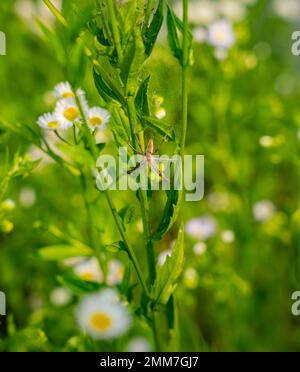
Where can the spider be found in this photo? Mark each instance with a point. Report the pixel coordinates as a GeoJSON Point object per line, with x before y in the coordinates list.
{"type": "Point", "coordinates": [150, 158]}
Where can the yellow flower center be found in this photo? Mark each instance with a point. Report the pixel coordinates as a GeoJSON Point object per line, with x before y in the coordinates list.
{"type": "Point", "coordinates": [53, 124]}
{"type": "Point", "coordinates": [67, 95]}
{"type": "Point", "coordinates": [71, 113]}
{"type": "Point", "coordinates": [88, 276]}
{"type": "Point", "coordinates": [101, 321]}
{"type": "Point", "coordinates": [96, 120]}
{"type": "Point", "coordinates": [220, 36]}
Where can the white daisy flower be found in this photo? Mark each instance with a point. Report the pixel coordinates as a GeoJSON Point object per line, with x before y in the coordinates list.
{"type": "Point", "coordinates": [201, 228]}
{"type": "Point", "coordinates": [233, 9]}
{"type": "Point", "coordinates": [89, 270]}
{"type": "Point", "coordinates": [27, 197]}
{"type": "Point", "coordinates": [60, 296]}
{"type": "Point", "coordinates": [221, 34]}
{"type": "Point", "coordinates": [228, 236]}
{"type": "Point", "coordinates": [65, 91]}
{"type": "Point", "coordinates": [200, 34]}
{"type": "Point", "coordinates": [139, 345]}
{"type": "Point", "coordinates": [102, 316]}
{"type": "Point", "coordinates": [288, 9]}
{"type": "Point", "coordinates": [50, 121]}
{"type": "Point", "coordinates": [263, 210]}
{"type": "Point", "coordinates": [68, 112]}
{"type": "Point", "coordinates": [97, 118]}
{"type": "Point", "coordinates": [199, 248]}
{"type": "Point", "coordinates": [115, 272]}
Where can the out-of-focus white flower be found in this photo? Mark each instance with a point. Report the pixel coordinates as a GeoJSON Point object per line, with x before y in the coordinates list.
{"type": "Point", "coordinates": [219, 201]}
{"type": "Point", "coordinates": [139, 345]}
{"type": "Point", "coordinates": [190, 278]}
{"type": "Point", "coordinates": [8, 205]}
{"type": "Point", "coordinates": [165, 254]}
{"type": "Point", "coordinates": [162, 257]}
{"type": "Point", "coordinates": [288, 9]}
{"type": "Point", "coordinates": [221, 34]}
{"type": "Point", "coordinates": [263, 210]}
{"type": "Point", "coordinates": [199, 248]}
{"type": "Point", "coordinates": [200, 34]}
{"type": "Point", "coordinates": [50, 121]}
{"type": "Point", "coordinates": [89, 270]}
{"type": "Point", "coordinates": [232, 9]}
{"type": "Point", "coordinates": [160, 113]}
{"type": "Point", "coordinates": [67, 112]}
{"type": "Point", "coordinates": [27, 197]}
{"type": "Point", "coordinates": [228, 236]}
{"type": "Point", "coordinates": [115, 272]}
{"type": "Point", "coordinates": [97, 118]}
{"type": "Point", "coordinates": [60, 296]}
{"type": "Point", "coordinates": [266, 141]}
{"type": "Point", "coordinates": [102, 316]}
{"type": "Point", "coordinates": [201, 228]}
{"type": "Point", "coordinates": [200, 12]}
{"type": "Point", "coordinates": [29, 11]}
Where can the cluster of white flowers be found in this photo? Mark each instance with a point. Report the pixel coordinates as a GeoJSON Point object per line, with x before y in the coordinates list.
{"type": "Point", "coordinates": [213, 22]}
{"type": "Point", "coordinates": [103, 316]}
{"type": "Point", "coordinates": [69, 111]}
{"type": "Point", "coordinates": [89, 270]}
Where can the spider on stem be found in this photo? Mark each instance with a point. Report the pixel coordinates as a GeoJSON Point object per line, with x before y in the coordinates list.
{"type": "Point", "coordinates": [150, 159]}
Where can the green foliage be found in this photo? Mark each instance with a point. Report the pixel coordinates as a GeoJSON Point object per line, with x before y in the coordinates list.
{"type": "Point", "coordinates": [168, 275]}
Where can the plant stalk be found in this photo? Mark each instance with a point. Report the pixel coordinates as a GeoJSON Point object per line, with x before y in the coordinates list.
{"type": "Point", "coordinates": [114, 26]}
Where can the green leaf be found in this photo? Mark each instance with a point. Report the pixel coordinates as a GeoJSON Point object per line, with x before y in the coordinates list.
{"type": "Point", "coordinates": [161, 127]}
{"type": "Point", "coordinates": [24, 131]}
{"type": "Point", "coordinates": [154, 28]}
{"type": "Point", "coordinates": [175, 25]}
{"type": "Point", "coordinates": [128, 214]}
{"type": "Point", "coordinates": [173, 38]}
{"type": "Point", "coordinates": [141, 99]}
{"type": "Point", "coordinates": [168, 275]}
{"type": "Point", "coordinates": [132, 62]}
{"type": "Point", "coordinates": [103, 89]}
{"type": "Point", "coordinates": [62, 252]}
{"type": "Point", "coordinates": [170, 213]}
{"type": "Point", "coordinates": [101, 146]}
{"type": "Point", "coordinates": [118, 129]}
{"type": "Point", "coordinates": [77, 285]}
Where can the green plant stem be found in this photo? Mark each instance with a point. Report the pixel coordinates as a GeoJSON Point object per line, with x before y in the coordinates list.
{"type": "Point", "coordinates": [185, 70]}
{"type": "Point", "coordinates": [90, 230]}
{"type": "Point", "coordinates": [114, 26]}
{"type": "Point", "coordinates": [126, 242]}
{"type": "Point", "coordinates": [143, 196]}
{"type": "Point", "coordinates": [113, 209]}
{"type": "Point", "coordinates": [149, 8]}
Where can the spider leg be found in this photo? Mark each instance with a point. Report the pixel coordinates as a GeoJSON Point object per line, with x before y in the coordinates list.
{"type": "Point", "coordinates": [137, 166]}
{"type": "Point", "coordinates": [139, 142]}
{"type": "Point", "coordinates": [157, 171]}
{"type": "Point", "coordinates": [135, 150]}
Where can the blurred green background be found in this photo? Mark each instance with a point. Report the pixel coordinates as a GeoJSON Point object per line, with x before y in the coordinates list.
{"type": "Point", "coordinates": [235, 293]}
